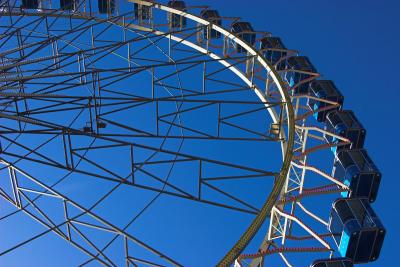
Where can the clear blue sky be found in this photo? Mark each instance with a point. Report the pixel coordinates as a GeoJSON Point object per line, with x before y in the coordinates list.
{"type": "Point", "coordinates": [353, 43]}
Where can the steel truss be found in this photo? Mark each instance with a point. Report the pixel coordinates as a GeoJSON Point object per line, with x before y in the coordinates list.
{"type": "Point", "coordinates": [73, 59]}
{"type": "Point", "coordinates": [47, 54]}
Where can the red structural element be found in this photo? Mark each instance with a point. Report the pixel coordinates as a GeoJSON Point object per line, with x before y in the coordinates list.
{"type": "Point", "coordinates": [281, 250]}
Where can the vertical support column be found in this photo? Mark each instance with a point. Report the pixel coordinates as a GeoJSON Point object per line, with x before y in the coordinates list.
{"type": "Point", "coordinates": [126, 251]}
{"type": "Point", "coordinates": [303, 161]}
{"type": "Point", "coordinates": [157, 119]}
{"type": "Point", "coordinates": [67, 220]}
{"type": "Point", "coordinates": [20, 43]}
{"type": "Point", "coordinates": [225, 46]}
{"type": "Point", "coordinates": [169, 48]}
{"type": "Point", "coordinates": [284, 231]}
{"type": "Point", "coordinates": [132, 164]}
{"type": "Point", "coordinates": [267, 85]}
{"type": "Point", "coordinates": [95, 102]}
{"type": "Point", "coordinates": [128, 44]}
{"type": "Point", "coordinates": [81, 67]}
{"type": "Point", "coordinates": [17, 113]}
{"type": "Point", "coordinates": [205, 62]}
{"type": "Point", "coordinates": [14, 186]}
{"type": "Point", "coordinates": [68, 150]}
{"type": "Point", "coordinates": [92, 40]}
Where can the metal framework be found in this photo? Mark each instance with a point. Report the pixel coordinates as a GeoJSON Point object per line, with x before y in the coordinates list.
{"type": "Point", "coordinates": [128, 101]}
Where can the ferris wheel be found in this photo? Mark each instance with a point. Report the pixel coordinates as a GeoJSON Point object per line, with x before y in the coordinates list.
{"type": "Point", "coordinates": [135, 133]}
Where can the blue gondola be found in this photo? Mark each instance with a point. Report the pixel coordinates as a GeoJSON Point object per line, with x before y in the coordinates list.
{"type": "Point", "coordinates": [175, 20]}
{"type": "Point", "coordinates": [324, 89]}
{"type": "Point", "coordinates": [30, 4]}
{"type": "Point", "coordinates": [245, 31]}
{"type": "Point", "coordinates": [345, 123]}
{"type": "Point", "coordinates": [214, 17]}
{"type": "Point", "coordinates": [355, 168]}
{"type": "Point", "coordinates": [142, 12]}
{"type": "Point", "coordinates": [106, 6]}
{"type": "Point", "coordinates": [338, 262]}
{"type": "Point", "coordinates": [357, 230]}
{"type": "Point", "coordinates": [273, 56]}
{"type": "Point", "coordinates": [299, 63]}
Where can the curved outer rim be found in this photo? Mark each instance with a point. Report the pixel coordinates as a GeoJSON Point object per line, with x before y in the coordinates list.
{"type": "Point", "coordinates": [287, 147]}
